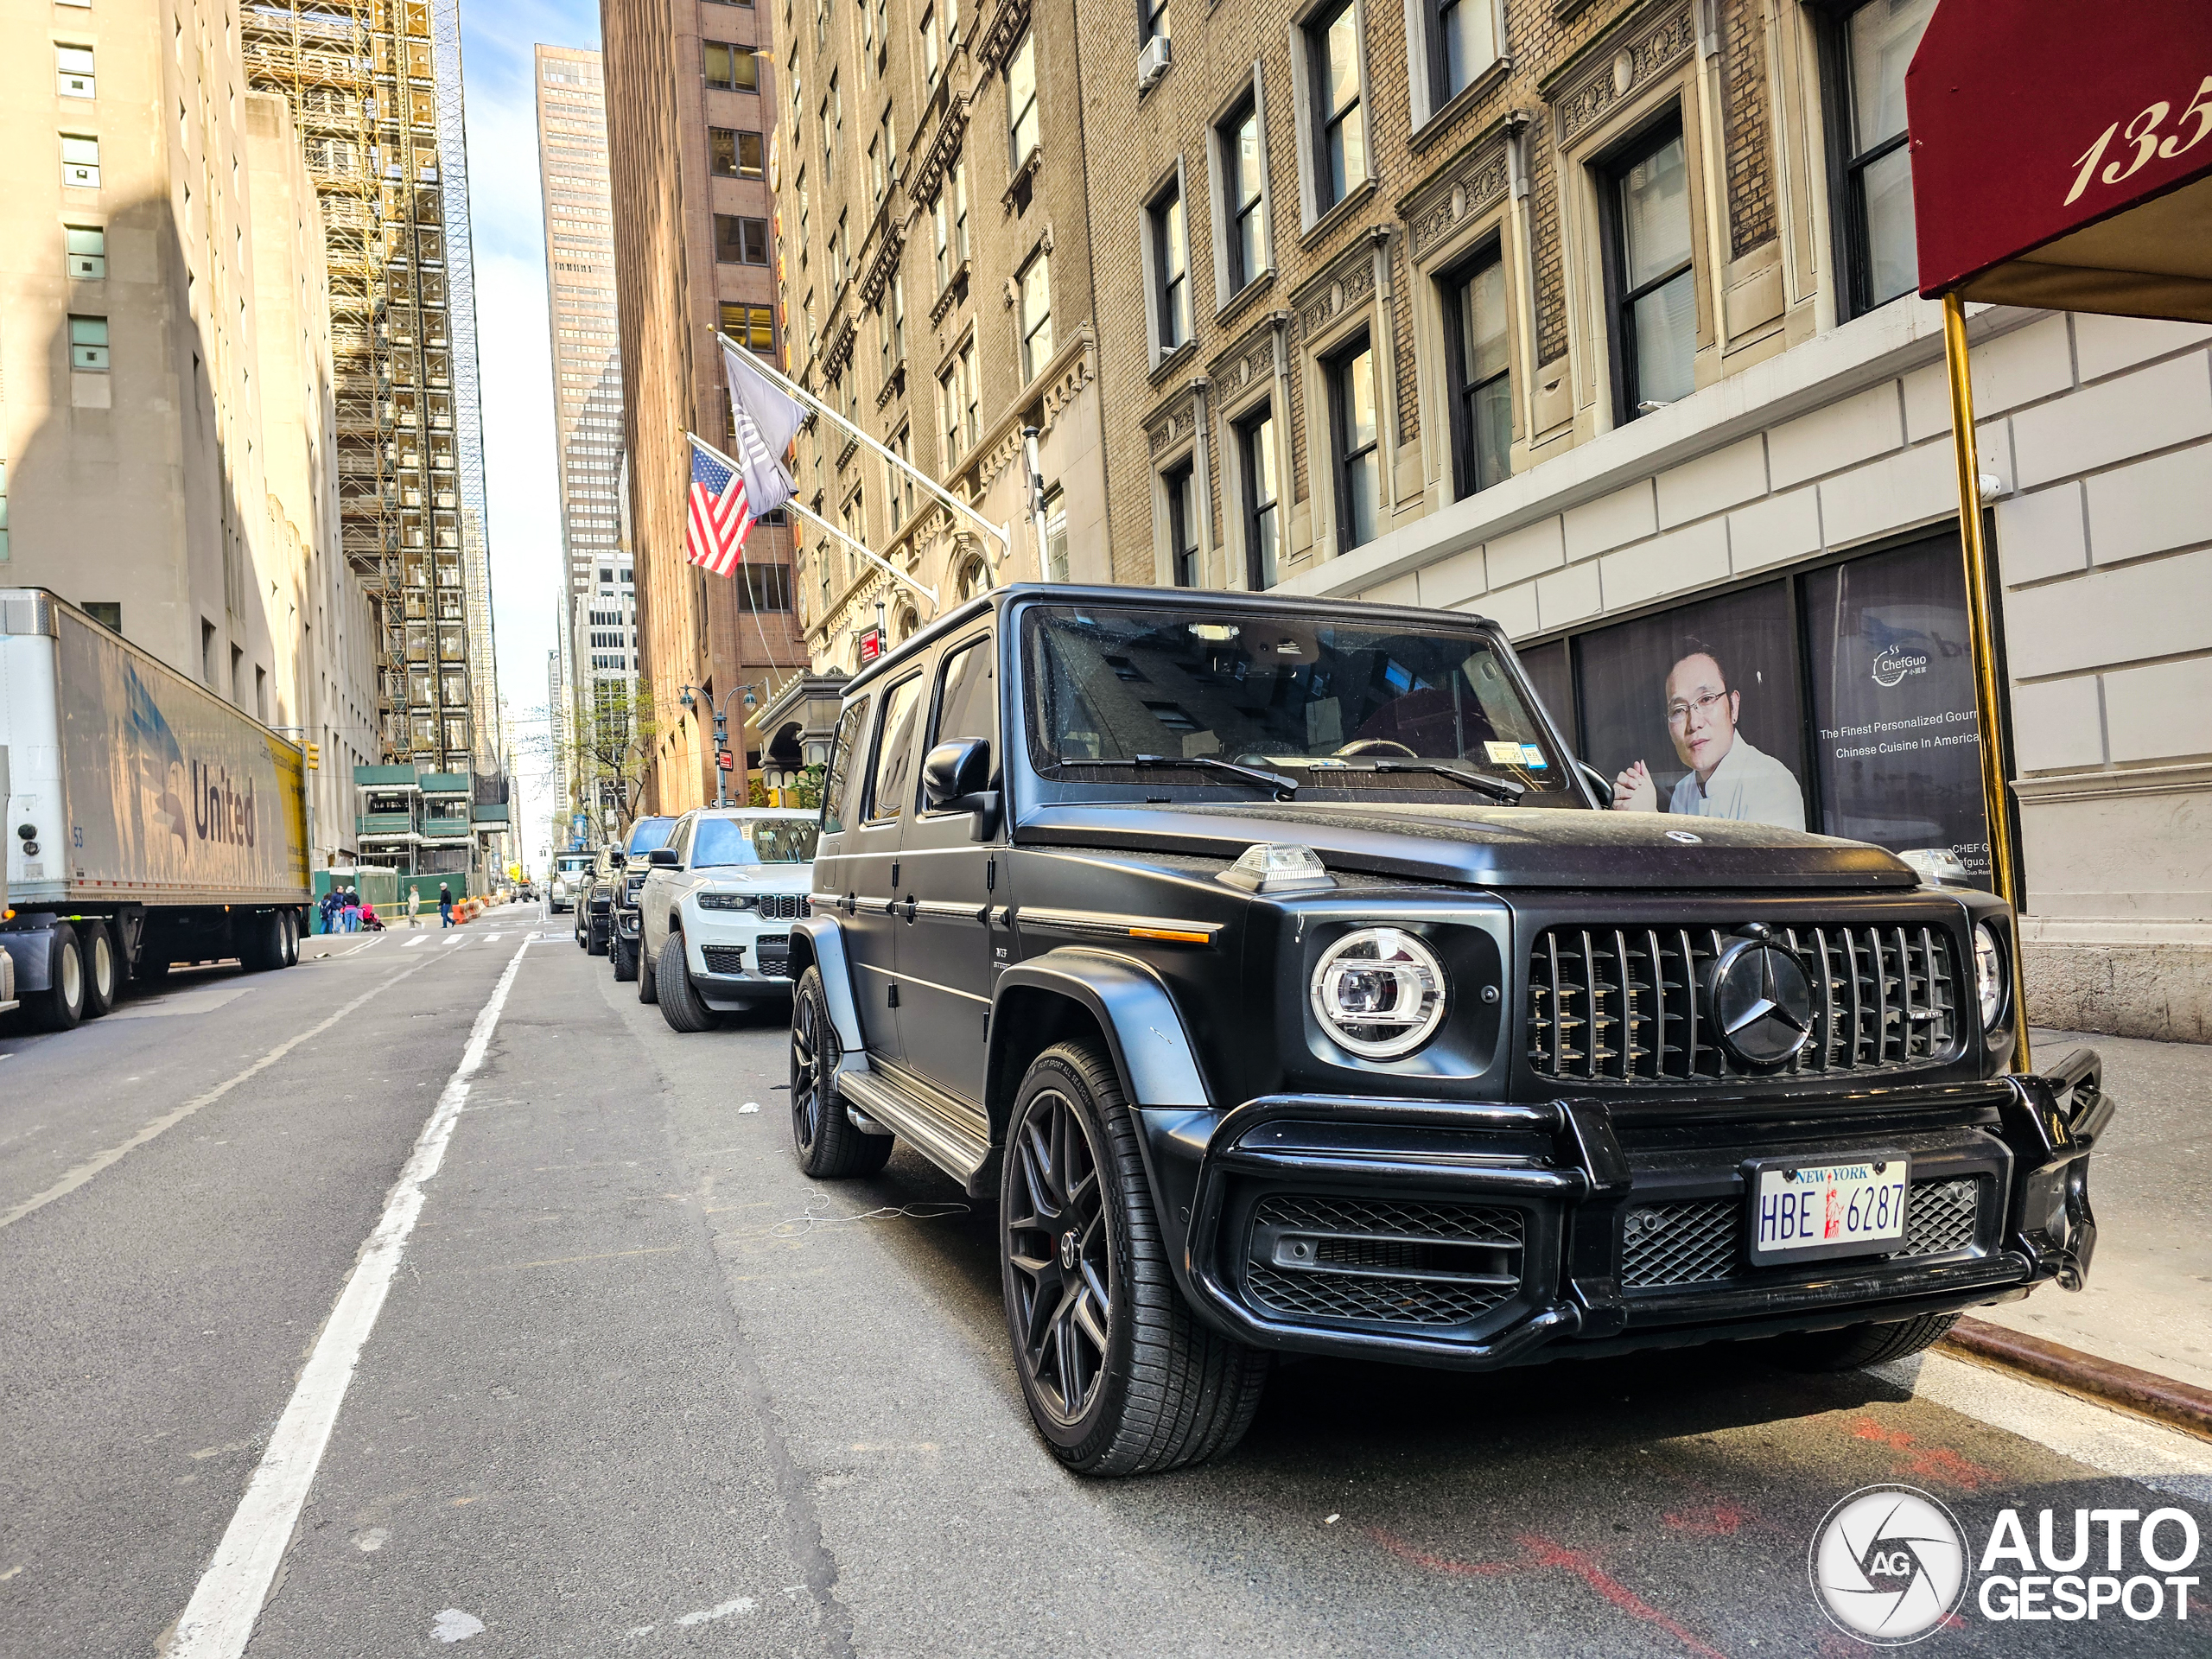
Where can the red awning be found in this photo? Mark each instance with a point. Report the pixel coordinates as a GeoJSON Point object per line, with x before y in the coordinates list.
{"type": "Point", "coordinates": [2062, 155]}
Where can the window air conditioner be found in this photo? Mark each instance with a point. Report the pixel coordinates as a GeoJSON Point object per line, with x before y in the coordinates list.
{"type": "Point", "coordinates": [1153, 62]}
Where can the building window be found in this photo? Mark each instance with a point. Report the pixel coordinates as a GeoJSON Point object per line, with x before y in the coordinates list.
{"type": "Point", "coordinates": [950, 222]}
{"type": "Point", "coordinates": [1870, 51]}
{"type": "Point", "coordinates": [972, 429]}
{"type": "Point", "coordinates": [87, 253]}
{"type": "Point", "coordinates": [948, 386]}
{"type": "Point", "coordinates": [931, 61]}
{"type": "Point", "coordinates": [750, 326]}
{"type": "Point", "coordinates": [1021, 97]}
{"type": "Point", "coordinates": [1482, 388]}
{"type": "Point", "coordinates": [1171, 268]}
{"type": "Point", "coordinates": [1462, 43]}
{"type": "Point", "coordinates": [88, 343]}
{"type": "Point", "coordinates": [1036, 317]}
{"type": "Point", "coordinates": [741, 241]}
{"type": "Point", "coordinates": [73, 67]}
{"type": "Point", "coordinates": [80, 160]}
{"type": "Point", "coordinates": [1340, 119]}
{"type": "Point", "coordinates": [1359, 454]}
{"type": "Point", "coordinates": [1243, 192]}
{"type": "Point", "coordinates": [1153, 19]}
{"type": "Point", "coordinates": [729, 68]}
{"type": "Point", "coordinates": [766, 587]}
{"type": "Point", "coordinates": [1056, 534]}
{"type": "Point", "coordinates": [734, 154]}
{"type": "Point", "coordinates": [1181, 484]}
{"type": "Point", "coordinates": [107, 612]}
{"type": "Point", "coordinates": [1256, 457]}
{"type": "Point", "coordinates": [1655, 293]}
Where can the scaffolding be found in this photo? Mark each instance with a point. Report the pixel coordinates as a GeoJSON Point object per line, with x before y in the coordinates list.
{"type": "Point", "coordinates": [363, 81]}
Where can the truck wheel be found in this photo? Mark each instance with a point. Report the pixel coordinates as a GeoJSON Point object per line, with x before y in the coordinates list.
{"type": "Point", "coordinates": [61, 1005]}
{"type": "Point", "coordinates": [622, 955]}
{"type": "Point", "coordinates": [1856, 1345]}
{"type": "Point", "coordinates": [678, 997]}
{"type": "Point", "coordinates": [1121, 1375]}
{"type": "Point", "coordinates": [827, 1145]}
{"type": "Point", "coordinates": [260, 943]}
{"type": "Point", "coordinates": [290, 919]}
{"type": "Point", "coordinates": [99, 947]}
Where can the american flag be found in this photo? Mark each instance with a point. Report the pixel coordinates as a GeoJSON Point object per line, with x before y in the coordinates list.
{"type": "Point", "coordinates": [715, 531]}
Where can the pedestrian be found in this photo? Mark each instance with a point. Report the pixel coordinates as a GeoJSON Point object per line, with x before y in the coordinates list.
{"type": "Point", "coordinates": [445, 906]}
{"type": "Point", "coordinates": [414, 906]}
{"type": "Point", "coordinates": [351, 914]}
{"type": "Point", "coordinates": [328, 905]}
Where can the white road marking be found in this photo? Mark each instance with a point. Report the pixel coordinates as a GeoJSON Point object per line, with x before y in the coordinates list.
{"type": "Point", "coordinates": [494, 938]}
{"type": "Point", "coordinates": [218, 1622]}
{"type": "Point", "coordinates": [92, 1165]}
{"type": "Point", "coordinates": [366, 945]}
{"type": "Point", "coordinates": [418, 939]}
{"type": "Point", "coordinates": [457, 940]}
{"type": "Point", "coordinates": [708, 1615]}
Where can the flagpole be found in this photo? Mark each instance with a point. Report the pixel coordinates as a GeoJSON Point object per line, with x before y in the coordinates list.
{"type": "Point", "coordinates": [862, 547]}
{"type": "Point", "coordinates": [754, 361]}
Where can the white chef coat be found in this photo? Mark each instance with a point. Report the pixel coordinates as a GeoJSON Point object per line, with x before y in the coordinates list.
{"type": "Point", "coordinates": [1749, 785]}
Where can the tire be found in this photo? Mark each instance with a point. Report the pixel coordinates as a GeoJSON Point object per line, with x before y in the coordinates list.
{"type": "Point", "coordinates": [648, 976]}
{"type": "Point", "coordinates": [260, 941]}
{"type": "Point", "coordinates": [291, 921]}
{"type": "Point", "coordinates": [679, 999]}
{"type": "Point", "coordinates": [1856, 1345]}
{"type": "Point", "coordinates": [102, 979]}
{"type": "Point", "coordinates": [826, 1144]}
{"type": "Point", "coordinates": [60, 1007]}
{"type": "Point", "coordinates": [623, 956]}
{"type": "Point", "coordinates": [1142, 1385]}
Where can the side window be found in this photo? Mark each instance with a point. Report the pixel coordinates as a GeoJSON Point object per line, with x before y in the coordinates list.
{"type": "Point", "coordinates": [967, 701]}
{"type": "Point", "coordinates": [680, 841]}
{"type": "Point", "coordinates": [894, 752]}
{"type": "Point", "coordinates": [838, 781]}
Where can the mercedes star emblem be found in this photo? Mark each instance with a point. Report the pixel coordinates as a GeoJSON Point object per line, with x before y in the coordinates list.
{"type": "Point", "coordinates": [1763, 1001]}
{"type": "Point", "coordinates": [1070, 1249]}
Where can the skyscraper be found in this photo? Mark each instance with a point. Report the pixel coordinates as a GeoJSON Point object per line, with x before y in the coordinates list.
{"type": "Point", "coordinates": [374, 86]}
{"type": "Point", "coordinates": [598, 590]}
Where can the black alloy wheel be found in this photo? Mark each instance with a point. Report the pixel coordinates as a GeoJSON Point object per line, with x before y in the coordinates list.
{"type": "Point", "coordinates": [1121, 1376]}
{"type": "Point", "coordinates": [826, 1144]}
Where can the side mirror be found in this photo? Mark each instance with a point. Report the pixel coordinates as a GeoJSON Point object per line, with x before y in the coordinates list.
{"type": "Point", "coordinates": [664, 858]}
{"type": "Point", "coordinates": [955, 775]}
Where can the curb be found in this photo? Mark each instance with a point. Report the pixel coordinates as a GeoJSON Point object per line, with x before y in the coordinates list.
{"type": "Point", "coordinates": [2142, 1394]}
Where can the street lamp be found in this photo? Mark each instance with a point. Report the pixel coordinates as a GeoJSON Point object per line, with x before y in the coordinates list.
{"type": "Point", "coordinates": [689, 696]}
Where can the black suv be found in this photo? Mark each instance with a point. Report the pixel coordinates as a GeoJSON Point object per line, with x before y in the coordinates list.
{"type": "Point", "coordinates": [595, 899]}
{"type": "Point", "coordinates": [644, 836]}
{"type": "Point", "coordinates": [1272, 963]}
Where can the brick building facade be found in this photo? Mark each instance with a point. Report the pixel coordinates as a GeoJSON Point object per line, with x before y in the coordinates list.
{"type": "Point", "coordinates": [1598, 318]}
{"type": "Point", "coordinates": [689, 126]}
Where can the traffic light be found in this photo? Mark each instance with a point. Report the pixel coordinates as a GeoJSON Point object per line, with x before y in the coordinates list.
{"type": "Point", "coordinates": [313, 752]}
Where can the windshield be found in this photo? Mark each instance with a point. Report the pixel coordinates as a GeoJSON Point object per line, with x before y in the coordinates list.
{"type": "Point", "coordinates": [573, 863]}
{"type": "Point", "coordinates": [753, 840]}
{"type": "Point", "coordinates": [1324, 701]}
{"type": "Point", "coordinates": [647, 834]}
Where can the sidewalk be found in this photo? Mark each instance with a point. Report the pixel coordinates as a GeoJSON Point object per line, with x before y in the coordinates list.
{"type": "Point", "coordinates": [2149, 1300]}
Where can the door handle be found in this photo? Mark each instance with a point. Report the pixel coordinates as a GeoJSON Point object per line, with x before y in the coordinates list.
{"type": "Point", "coordinates": [911, 906]}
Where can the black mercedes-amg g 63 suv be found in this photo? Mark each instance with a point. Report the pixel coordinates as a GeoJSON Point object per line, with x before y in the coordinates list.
{"type": "Point", "coordinates": [1273, 964]}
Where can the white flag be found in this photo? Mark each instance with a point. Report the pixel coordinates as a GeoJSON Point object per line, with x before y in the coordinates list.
{"type": "Point", "coordinates": [765, 418]}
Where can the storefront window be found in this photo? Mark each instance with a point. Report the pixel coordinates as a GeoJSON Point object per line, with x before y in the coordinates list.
{"type": "Point", "coordinates": [1897, 743]}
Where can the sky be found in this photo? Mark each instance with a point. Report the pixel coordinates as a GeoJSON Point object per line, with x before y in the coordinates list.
{"type": "Point", "coordinates": [515, 365]}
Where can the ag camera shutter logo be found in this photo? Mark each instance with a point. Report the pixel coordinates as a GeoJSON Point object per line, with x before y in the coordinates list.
{"type": "Point", "coordinates": [1888, 1564]}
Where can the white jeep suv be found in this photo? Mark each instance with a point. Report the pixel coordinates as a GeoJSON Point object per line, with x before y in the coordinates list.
{"type": "Point", "coordinates": [716, 914]}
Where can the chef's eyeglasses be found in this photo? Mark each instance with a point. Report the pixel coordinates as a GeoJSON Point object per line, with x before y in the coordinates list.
{"type": "Point", "coordinates": [1678, 712]}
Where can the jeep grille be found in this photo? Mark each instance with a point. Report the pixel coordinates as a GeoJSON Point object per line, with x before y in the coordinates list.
{"type": "Point", "coordinates": [1612, 1005]}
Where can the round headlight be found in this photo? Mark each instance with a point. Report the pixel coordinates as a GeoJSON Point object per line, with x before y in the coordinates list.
{"type": "Point", "coordinates": [1379, 992]}
{"type": "Point", "coordinates": [1988, 974]}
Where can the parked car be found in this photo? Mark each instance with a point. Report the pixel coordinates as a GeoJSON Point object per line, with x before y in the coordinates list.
{"type": "Point", "coordinates": [716, 910]}
{"type": "Point", "coordinates": [571, 873]}
{"type": "Point", "coordinates": [595, 911]}
{"type": "Point", "coordinates": [622, 944]}
{"type": "Point", "coordinates": [1274, 962]}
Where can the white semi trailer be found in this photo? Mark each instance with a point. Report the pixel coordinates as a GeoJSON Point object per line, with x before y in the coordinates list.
{"type": "Point", "coordinates": [149, 821]}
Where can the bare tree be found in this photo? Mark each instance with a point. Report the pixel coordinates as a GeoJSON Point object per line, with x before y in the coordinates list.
{"type": "Point", "coordinates": [610, 750]}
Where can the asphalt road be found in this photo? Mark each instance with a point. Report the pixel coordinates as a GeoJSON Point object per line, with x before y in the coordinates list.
{"type": "Point", "coordinates": [640, 1388]}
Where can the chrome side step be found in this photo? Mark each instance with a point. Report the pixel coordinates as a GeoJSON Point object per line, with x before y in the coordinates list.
{"type": "Point", "coordinates": [927, 1121]}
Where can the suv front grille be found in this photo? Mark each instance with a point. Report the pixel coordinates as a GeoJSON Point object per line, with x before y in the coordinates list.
{"type": "Point", "coordinates": [1362, 1261]}
{"type": "Point", "coordinates": [1696, 1241]}
{"type": "Point", "coordinates": [784, 907]}
{"type": "Point", "coordinates": [1613, 1005]}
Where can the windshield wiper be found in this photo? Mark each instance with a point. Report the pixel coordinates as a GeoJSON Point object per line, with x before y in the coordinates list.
{"type": "Point", "coordinates": [1505, 789]}
{"type": "Point", "coordinates": [1275, 783]}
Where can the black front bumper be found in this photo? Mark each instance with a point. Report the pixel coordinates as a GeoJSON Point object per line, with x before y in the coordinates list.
{"type": "Point", "coordinates": [1478, 1235]}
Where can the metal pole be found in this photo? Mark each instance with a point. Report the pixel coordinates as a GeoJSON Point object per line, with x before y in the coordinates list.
{"type": "Point", "coordinates": [1988, 704]}
{"type": "Point", "coordinates": [721, 745]}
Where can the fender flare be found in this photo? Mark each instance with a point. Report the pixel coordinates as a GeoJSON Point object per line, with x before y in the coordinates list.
{"type": "Point", "coordinates": [819, 941]}
{"type": "Point", "coordinates": [1150, 1046]}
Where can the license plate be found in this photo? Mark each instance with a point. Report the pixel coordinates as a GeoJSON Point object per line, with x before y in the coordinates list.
{"type": "Point", "coordinates": [1852, 1206]}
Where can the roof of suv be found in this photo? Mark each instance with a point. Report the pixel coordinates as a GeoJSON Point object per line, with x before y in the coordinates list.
{"type": "Point", "coordinates": [1189, 599]}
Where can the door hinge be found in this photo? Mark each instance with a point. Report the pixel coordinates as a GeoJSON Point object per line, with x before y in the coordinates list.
{"type": "Point", "coordinates": [893, 1002]}
{"type": "Point", "coordinates": [894, 872]}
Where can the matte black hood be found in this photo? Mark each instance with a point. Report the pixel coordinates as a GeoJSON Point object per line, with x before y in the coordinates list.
{"type": "Point", "coordinates": [1487, 846]}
